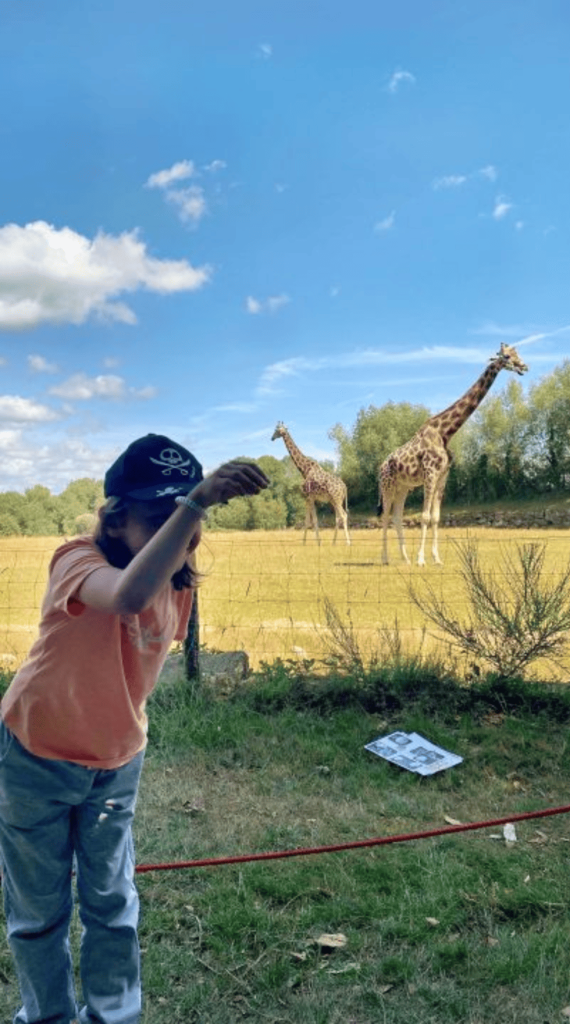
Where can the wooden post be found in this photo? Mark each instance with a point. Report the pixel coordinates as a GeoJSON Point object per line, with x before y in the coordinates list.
{"type": "Point", "coordinates": [192, 641]}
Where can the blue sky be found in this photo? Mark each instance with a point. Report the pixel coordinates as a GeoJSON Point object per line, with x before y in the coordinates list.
{"type": "Point", "coordinates": [217, 216]}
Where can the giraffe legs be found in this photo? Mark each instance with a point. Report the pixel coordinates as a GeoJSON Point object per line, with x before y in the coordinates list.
{"type": "Point", "coordinates": [311, 520]}
{"type": "Point", "coordinates": [387, 501]}
{"type": "Point", "coordinates": [398, 517]}
{"type": "Point", "coordinates": [340, 517]}
{"type": "Point", "coordinates": [433, 492]}
{"type": "Point", "coordinates": [426, 520]}
{"type": "Point", "coordinates": [435, 516]}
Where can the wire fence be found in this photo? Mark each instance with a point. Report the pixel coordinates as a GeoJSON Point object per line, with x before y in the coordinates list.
{"type": "Point", "coordinates": [270, 595]}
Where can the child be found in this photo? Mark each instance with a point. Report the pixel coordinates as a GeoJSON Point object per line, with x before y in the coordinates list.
{"type": "Point", "coordinates": [73, 730]}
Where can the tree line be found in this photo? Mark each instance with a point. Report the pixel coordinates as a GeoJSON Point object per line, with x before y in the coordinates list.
{"type": "Point", "coordinates": [515, 445]}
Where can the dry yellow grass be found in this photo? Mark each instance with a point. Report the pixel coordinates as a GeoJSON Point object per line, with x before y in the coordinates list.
{"type": "Point", "coordinates": [266, 592]}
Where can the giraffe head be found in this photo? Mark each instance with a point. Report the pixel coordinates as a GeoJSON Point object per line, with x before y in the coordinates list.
{"type": "Point", "coordinates": [509, 359]}
{"type": "Point", "coordinates": [280, 431]}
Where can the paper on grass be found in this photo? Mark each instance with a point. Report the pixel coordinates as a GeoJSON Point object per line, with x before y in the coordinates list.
{"type": "Point", "coordinates": [411, 751]}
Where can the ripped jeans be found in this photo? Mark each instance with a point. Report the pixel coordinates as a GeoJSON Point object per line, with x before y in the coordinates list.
{"type": "Point", "coordinates": [56, 816]}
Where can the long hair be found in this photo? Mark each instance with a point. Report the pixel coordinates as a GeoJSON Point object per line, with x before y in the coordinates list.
{"type": "Point", "coordinates": [113, 515]}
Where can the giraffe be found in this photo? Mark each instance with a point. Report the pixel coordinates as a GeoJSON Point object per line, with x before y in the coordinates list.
{"type": "Point", "coordinates": [318, 485]}
{"type": "Point", "coordinates": [425, 459]}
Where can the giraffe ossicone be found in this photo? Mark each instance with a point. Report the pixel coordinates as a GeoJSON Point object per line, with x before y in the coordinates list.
{"type": "Point", "coordinates": [425, 460]}
{"type": "Point", "coordinates": [318, 485]}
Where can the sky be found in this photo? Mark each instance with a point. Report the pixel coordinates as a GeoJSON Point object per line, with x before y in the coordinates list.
{"type": "Point", "coordinates": [218, 216]}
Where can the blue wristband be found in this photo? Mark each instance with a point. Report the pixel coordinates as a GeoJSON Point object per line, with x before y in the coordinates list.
{"type": "Point", "coordinates": [183, 499]}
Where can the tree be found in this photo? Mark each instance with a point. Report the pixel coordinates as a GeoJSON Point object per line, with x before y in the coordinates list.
{"type": "Point", "coordinates": [79, 497]}
{"type": "Point", "coordinates": [491, 459]}
{"type": "Point", "coordinates": [549, 429]}
{"type": "Point", "coordinates": [39, 513]}
{"type": "Point", "coordinates": [376, 433]}
{"type": "Point", "coordinates": [11, 512]}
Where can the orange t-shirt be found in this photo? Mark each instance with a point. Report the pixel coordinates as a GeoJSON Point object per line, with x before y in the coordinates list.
{"type": "Point", "coordinates": [80, 695]}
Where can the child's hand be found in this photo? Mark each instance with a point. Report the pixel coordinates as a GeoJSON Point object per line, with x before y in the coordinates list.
{"type": "Point", "coordinates": [229, 481]}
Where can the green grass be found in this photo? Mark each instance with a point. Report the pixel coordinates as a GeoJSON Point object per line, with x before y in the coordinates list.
{"type": "Point", "coordinates": [238, 943]}
{"type": "Point", "coordinates": [461, 928]}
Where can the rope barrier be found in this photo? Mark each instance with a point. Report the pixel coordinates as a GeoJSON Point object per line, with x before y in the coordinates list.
{"type": "Point", "coordinates": [379, 841]}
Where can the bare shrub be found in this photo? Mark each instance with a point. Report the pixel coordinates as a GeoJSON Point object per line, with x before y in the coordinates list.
{"type": "Point", "coordinates": [518, 613]}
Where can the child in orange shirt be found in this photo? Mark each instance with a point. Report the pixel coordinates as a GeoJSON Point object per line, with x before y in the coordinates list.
{"type": "Point", "coordinates": [73, 730]}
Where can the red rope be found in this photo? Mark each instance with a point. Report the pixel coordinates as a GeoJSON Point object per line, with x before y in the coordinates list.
{"type": "Point", "coordinates": [207, 862]}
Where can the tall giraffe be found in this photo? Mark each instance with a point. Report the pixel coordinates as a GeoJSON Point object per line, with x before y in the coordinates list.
{"type": "Point", "coordinates": [318, 485]}
{"type": "Point", "coordinates": [425, 459]}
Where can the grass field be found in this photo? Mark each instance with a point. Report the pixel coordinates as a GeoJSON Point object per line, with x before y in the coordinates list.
{"type": "Point", "coordinates": [266, 592]}
{"type": "Point", "coordinates": [460, 929]}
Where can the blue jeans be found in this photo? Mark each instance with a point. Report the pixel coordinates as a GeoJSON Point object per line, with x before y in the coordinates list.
{"type": "Point", "coordinates": [54, 816]}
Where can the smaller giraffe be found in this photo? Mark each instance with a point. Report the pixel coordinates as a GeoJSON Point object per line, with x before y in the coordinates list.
{"type": "Point", "coordinates": [425, 459]}
{"type": "Point", "coordinates": [318, 485]}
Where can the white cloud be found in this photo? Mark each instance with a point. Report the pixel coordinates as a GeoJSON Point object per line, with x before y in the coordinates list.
{"type": "Point", "coordinates": [38, 364]}
{"type": "Point", "coordinates": [275, 302]}
{"type": "Point", "coordinates": [215, 165]}
{"type": "Point", "coordinates": [14, 409]}
{"type": "Point", "coordinates": [455, 180]}
{"type": "Point", "coordinates": [501, 208]}
{"type": "Point", "coordinates": [268, 305]}
{"type": "Point", "coordinates": [276, 373]}
{"type": "Point", "coordinates": [500, 330]}
{"type": "Point", "coordinates": [265, 50]}
{"type": "Point", "coordinates": [520, 334]}
{"type": "Point", "coordinates": [449, 181]}
{"type": "Point", "coordinates": [55, 275]}
{"type": "Point", "coordinates": [245, 407]}
{"type": "Point", "coordinates": [27, 459]}
{"type": "Point", "coordinates": [387, 223]}
{"type": "Point", "coordinates": [397, 78]}
{"type": "Point", "coordinates": [489, 172]}
{"type": "Point", "coordinates": [191, 202]}
{"type": "Point", "coordinates": [178, 172]}
{"type": "Point", "coordinates": [80, 387]}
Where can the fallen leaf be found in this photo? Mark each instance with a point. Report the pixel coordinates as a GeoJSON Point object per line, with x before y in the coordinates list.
{"type": "Point", "coordinates": [195, 806]}
{"type": "Point", "coordinates": [433, 921]}
{"type": "Point", "coordinates": [494, 718]}
{"type": "Point", "coordinates": [490, 941]}
{"type": "Point", "coordinates": [334, 941]}
{"type": "Point", "coordinates": [343, 970]}
{"type": "Point", "coordinates": [566, 1011]}
{"type": "Point", "coordinates": [385, 988]}
{"type": "Point", "coordinates": [451, 821]}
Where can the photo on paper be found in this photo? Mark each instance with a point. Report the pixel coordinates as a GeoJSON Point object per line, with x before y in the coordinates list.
{"type": "Point", "coordinates": [413, 752]}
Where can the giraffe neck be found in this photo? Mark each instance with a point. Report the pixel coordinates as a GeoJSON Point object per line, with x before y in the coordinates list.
{"type": "Point", "coordinates": [451, 419]}
{"type": "Point", "coordinates": [302, 462]}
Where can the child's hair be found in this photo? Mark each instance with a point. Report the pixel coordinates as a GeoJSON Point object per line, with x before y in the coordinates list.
{"type": "Point", "coordinates": [113, 516]}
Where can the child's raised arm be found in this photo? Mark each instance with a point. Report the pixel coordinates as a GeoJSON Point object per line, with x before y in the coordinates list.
{"type": "Point", "coordinates": [163, 552]}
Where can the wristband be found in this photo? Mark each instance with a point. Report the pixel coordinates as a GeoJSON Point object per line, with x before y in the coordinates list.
{"type": "Point", "coordinates": [183, 499]}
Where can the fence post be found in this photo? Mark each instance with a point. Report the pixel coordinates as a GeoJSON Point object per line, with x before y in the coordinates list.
{"type": "Point", "coordinates": [192, 641]}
